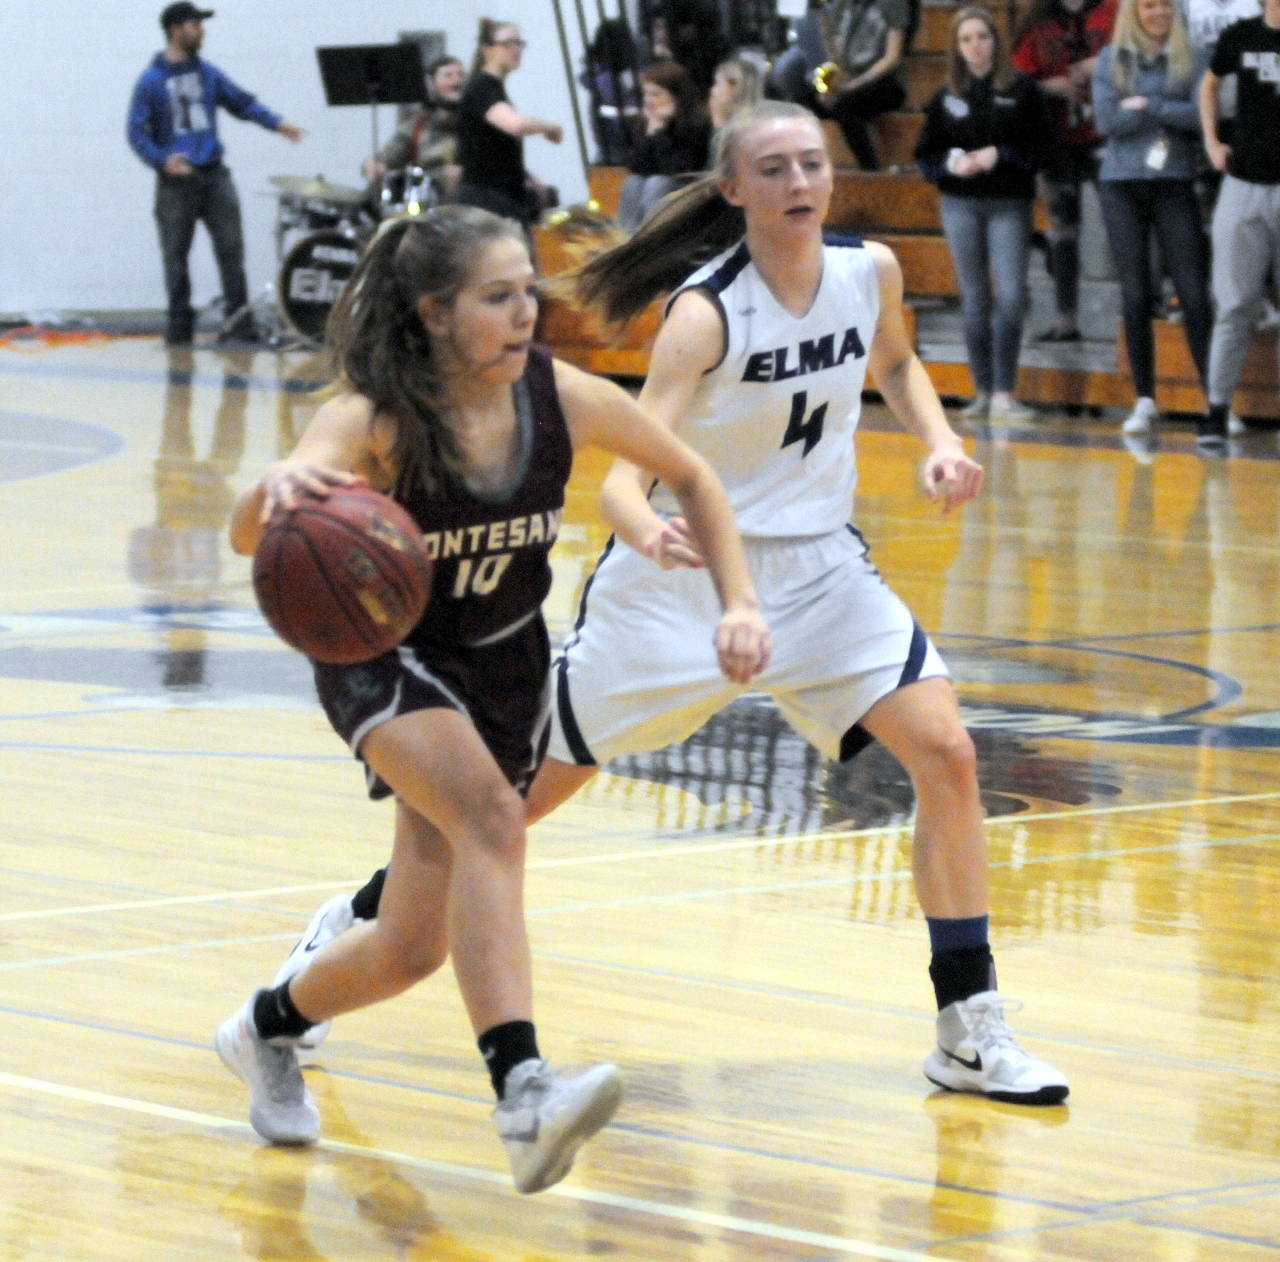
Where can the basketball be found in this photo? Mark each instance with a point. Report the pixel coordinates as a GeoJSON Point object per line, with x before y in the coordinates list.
{"type": "Point", "coordinates": [343, 578]}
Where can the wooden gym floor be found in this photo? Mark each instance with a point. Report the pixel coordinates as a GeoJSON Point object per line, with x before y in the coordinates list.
{"type": "Point", "coordinates": [731, 921]}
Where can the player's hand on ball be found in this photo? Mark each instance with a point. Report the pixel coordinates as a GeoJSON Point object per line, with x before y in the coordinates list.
{"type": "Point", "coordinates": [743, 644]}
{"type": "Point", "coordinates": [286, 485]}
{"type": "Point", "coordinates": [951, 476]}
{"type": "Point", "coordinates": [674, 547]}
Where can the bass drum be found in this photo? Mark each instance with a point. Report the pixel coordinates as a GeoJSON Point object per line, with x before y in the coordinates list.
{"type": "Point", "coordinates": [314, 273]}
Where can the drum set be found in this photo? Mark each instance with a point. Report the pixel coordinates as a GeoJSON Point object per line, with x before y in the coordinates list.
{"type": "Point", "coordinates": [320, 230]}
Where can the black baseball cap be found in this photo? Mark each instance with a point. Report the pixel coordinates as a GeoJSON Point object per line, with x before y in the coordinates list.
{"type": "Point", "coordinates": [177, 14]}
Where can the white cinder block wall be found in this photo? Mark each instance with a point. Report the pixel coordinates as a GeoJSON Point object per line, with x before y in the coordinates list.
{"type": "Point", "coordinates": [76, 230]}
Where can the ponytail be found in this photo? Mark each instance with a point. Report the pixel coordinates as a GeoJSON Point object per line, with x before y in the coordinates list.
{"type": "Point", "coordinates": [688, 228]}
{"type": "Point", "coordinates": [376, 341]}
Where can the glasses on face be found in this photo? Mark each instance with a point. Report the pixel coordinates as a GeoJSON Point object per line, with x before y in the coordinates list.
{"type": "Point", "coordinates": [512, 43]}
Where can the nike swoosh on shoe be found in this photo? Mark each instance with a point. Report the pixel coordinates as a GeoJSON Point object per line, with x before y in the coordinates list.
{"type": "Point", "coordinates": [975, 1064]}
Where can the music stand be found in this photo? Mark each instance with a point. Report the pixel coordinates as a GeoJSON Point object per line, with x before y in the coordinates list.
{"type": "Point", "coordinates": [373, 75]}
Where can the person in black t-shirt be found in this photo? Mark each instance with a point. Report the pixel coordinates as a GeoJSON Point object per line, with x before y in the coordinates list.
{"type": "Point", "coordinates": [491, 132]}
{"type": "Point", "coordinates": [1246, 220]}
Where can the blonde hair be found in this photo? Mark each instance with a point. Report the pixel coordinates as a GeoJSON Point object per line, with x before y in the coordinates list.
{"type": "Point", "coordinates": [688, 228]}
{"type": "Point", "coordinates": [750, 83]}
{"type": "Point", "coordinates": [959, 76]}
{"type": "Point", "coordinates": [1128, 44]}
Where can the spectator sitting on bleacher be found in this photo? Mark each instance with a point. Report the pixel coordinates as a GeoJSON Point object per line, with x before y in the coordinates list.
{"type": "Point", "coordinates": [847, 62]}
{"type": "Point", "coordinates": [867, 42]}
{"type": "Point", "coordinates": [1144, 93]}
{"type": "Point", "coordinates": [1058, 44]}
{"type": "Point", "coordinates": [674, 146]}
{"type": "Point", "coordinates": [980, 143]}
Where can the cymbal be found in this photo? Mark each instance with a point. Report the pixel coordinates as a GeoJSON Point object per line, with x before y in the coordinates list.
{"type": "Point", "coordinates": [317, 186]}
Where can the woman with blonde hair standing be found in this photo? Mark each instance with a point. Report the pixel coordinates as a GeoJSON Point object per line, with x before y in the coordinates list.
{"type": "Point", "coordinates": [1145, 88]}
{"type": "Point", "coordinates": [980, 144]}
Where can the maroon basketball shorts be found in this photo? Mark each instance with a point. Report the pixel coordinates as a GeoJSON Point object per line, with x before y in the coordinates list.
{"type": "Point", "coordinates": [501, 687]}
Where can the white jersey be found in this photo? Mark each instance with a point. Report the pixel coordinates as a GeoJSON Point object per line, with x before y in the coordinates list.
{"type": "Point", "coordinates": [776, 417]}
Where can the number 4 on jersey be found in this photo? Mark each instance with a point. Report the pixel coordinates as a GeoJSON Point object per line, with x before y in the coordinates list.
{"type": "Point", "coordinates": [804, 427]}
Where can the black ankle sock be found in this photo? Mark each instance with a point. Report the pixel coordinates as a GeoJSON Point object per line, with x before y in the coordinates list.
{"type": "Point", "coordinates": [365, 901]}
{"type": "Point", "coordinates": [276, 1015]}
{"type": "Point", "coordinates": [505, 1046]}
{"type": "Point", "coordinates": [959, 974]}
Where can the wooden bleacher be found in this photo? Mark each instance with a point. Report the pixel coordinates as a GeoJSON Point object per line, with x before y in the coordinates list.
{"type": "Point", "coordinates": [1178, 384]}
{"type": "Point", "coordinates": [897, 206]}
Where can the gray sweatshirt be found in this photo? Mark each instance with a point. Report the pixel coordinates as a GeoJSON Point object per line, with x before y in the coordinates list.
{"type": "Point", "coordinates": [1172, 114]}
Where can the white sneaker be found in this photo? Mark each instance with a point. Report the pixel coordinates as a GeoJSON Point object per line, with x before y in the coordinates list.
{"type": "Point", "coordinates": [280, 1106]}
{"type": "Point", "coordinates": [976, 409]}
{"type": "Point", "coordinates": [329, 921]}
{"type": "Point", "coordinates": [1236, 425]}
{"type": "Point", "coordinates": [1144, 415]}
{"type": "Point", "coordinates": [976, 1052]}
{"type": "Point", "coordinates": [543, 1118]}
{"type": "Point", "coordinates": [1009, 409]}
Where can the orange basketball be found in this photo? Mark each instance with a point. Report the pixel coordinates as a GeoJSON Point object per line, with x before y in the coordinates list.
{"type": "Point", "coordinates": [343, 578]}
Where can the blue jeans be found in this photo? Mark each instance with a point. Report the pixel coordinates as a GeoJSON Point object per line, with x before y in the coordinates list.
{"type": "Point", "coordinates": [1132, 211]}
{"type": "Point", "coordinates": [641, 195]}
{"type": "Point", "coordinates": [182, 201]}
{"type": "Point", "coordinates": [989, 239]}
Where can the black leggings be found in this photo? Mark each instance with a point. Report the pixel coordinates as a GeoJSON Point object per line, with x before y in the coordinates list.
{"type": "Point", "coordinates": [852, 110]}
{"type": "Point", "coordinates": [1132, 211]}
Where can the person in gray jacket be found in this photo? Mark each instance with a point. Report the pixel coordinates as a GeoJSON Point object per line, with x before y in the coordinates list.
{"type": "Point", "coordinates": [1145, 88]}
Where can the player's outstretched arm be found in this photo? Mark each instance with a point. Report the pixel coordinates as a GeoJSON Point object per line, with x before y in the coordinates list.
{"type": "Point", "coordinates": [690, 342]}
{"type": "Point", "coordinates": [600, 413]}
{"type": "Point", "coordinates": [948, 473]}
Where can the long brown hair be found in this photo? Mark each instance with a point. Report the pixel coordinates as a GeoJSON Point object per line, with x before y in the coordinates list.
{"type": "Point", "coordinates": [688, 228]}
{"type": "Point", "coordinates": [376, 342]}
{"type": "Point", "coordinates": [674, 79]}
{"type": "Point", "coordinates": [959, 76]}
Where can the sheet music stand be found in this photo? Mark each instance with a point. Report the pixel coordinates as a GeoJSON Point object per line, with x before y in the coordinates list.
{"type": "Point", "coordinates": [373, 75]}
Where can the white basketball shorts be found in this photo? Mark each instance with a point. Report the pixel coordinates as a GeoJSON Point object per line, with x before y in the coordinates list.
{"type": "Point", "coordinates": [640, 671]}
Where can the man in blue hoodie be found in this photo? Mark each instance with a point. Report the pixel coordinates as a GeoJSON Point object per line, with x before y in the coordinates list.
{"type": "Point", "coordinates": [173, 127]}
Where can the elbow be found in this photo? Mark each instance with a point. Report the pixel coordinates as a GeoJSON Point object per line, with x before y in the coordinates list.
{"type": "Point", "coordinates": [245, 530]}
{"type": "Point", "coordinates": [244, 541]}
{"type": "Point", "coordinates": [697, 483]}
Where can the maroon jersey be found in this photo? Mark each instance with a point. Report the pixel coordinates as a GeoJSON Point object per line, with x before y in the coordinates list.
{"type": "Point", "coordinates": [492, 570]}
{"type": "Point", "coordinates": [481, 647]}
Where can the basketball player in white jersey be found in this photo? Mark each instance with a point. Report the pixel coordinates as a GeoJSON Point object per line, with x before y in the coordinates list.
{"type": "Point", "coordinates": [760, 366]}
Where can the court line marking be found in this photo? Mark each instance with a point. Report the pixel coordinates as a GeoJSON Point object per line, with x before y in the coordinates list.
{"type": "Point", "coordinates": [632, 1204]}
{"type": "Point", "coordinates": [1208, 1196]}
{"type": "Point", "coordinates": [738, 843]}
